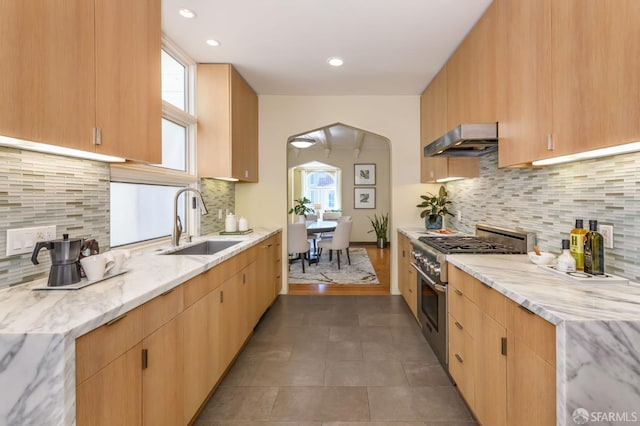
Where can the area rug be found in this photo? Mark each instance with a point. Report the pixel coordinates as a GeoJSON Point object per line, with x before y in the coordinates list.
{"type": "Point", "coordinates": [359, 272]}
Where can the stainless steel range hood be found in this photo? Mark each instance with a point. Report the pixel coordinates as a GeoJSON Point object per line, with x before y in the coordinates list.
{"type": "Point", "coordinates": [466, 140]}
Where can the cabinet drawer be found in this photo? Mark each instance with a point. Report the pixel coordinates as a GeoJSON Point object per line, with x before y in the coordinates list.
{"type": "Point", "coordinates": [533, 331]}
{"type": "Point", "coordinates": [198, 287]}
{"type": "Point", "coordinates": [491, 302]}
{"type": "Point", "coordinates": [464, 282]}
{"type": "Point", "coordinates": [160, 310]}
{"type": "Point", "coordinates": [99, 347]}
{"type": "Point", "coordinates": [461, 358]}
{"type": "Point", "coordinates": [463, 313]}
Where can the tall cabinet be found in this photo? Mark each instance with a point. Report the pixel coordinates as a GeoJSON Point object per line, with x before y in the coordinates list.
{"type": "Point", "coordinates": [72, 67]}
{"type": "Point", "coordinates": [227, 124]}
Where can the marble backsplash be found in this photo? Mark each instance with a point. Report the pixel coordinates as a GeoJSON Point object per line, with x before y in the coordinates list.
{"type": "Point", "coordinates": [548, 200]}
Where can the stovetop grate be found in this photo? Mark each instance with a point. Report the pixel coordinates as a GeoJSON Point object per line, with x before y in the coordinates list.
{"type": "Point", "coordinates": [467, 244]}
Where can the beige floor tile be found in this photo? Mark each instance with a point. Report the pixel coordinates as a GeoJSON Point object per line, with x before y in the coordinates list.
{"type": "Point", "coordinates": [240, 404]}
{"type": "Point", "coordinates": [360, 334]}
{"type": "Point", "coordinates": [422, 374]}
{"type": "Point", "coordinates": [321, 404]}
{"type": "Point", "coordinates": [344, 351]}
{"type": "Point", "coordinates": [365, 373]}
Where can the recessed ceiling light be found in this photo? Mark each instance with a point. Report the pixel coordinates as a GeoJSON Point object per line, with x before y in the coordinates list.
{"type": "Point", "coordinates": [187, 13]}
{"type": "Point", "coordinates": [335, 62]}
{"type": "Point", "coordinates": [213, 42]}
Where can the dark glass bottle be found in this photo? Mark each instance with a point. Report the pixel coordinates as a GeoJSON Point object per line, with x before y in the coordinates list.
{"type": "Point", "coordinates": [593, 250]}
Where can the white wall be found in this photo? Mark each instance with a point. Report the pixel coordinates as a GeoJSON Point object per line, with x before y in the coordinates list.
{"type": "Point", "coordinates": [394, 117]}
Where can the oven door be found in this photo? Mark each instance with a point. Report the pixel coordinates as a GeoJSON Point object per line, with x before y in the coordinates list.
{"type": "Point", "coordinates": [432, 313]}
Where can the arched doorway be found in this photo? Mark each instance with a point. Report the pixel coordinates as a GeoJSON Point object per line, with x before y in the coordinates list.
{"type": "Point", "coordinates": [341, 153]}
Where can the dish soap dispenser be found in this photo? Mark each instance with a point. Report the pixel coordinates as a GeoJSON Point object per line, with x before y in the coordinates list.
{"type": "Point", "coordinates": [566, 262]}
{"type": "Point", "coordinates": [593, 250]}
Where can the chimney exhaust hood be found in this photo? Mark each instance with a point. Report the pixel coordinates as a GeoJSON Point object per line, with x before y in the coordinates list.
{"type": "Point", "coordinates": [466, 140]}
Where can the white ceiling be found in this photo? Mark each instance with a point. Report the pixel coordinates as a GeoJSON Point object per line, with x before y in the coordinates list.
{"type": "Point", "coordinates": [390, 47]}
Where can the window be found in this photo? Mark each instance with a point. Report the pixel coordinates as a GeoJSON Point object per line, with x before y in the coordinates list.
{"type": "Point", "coordinates": [320, 187]}
{"type": "Point", "coordinates": [141, 197]}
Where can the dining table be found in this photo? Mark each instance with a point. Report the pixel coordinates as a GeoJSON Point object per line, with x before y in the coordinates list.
{"type": "Point", "coordinates": [317, 227]}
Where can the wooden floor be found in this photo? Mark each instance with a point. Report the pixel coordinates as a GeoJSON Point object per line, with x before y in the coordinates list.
{"type": "Point", "coordinates": [381, 261]}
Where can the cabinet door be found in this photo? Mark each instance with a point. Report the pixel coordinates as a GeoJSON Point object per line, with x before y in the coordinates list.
{"type": "Point", "coordinates": [162, 377]}
{"type": "Point", "coordinates": [202, 364]}
{"type": "Point", "coordinates": [461, 359]}
{"type": "Point", "coordinates": [596, 58]}
{"type": "Point", "coordinates": [471, 75]}
{"type": "Point", "coordinates": [113, 395]}
{"type": "Point", "coordinates": [48, 72]}
{"type": "Point", "coordinates": [490, 372]}
{"type": "Point", "coordinates": [244, 129]}
{"type": "Point", "coordinates": [128, 107]}
{"type": "Point", "coordinates": [524, 70]}
{"type": "Point", "coordinates": [231, 317]}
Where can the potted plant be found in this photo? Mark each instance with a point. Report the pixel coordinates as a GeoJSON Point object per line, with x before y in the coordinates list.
{"type": "Point", "coordinates": [435, 207]}
{"type": "Point", "coordinates": [380, 225]}
{"type": "Point", "coordinates": [301, 209]}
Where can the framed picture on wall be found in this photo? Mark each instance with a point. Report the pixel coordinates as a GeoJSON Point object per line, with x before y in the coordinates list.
{"type": "Point", "coordinates": [364, 174]}
{"type": "Point", "coordinates": [364, 198]}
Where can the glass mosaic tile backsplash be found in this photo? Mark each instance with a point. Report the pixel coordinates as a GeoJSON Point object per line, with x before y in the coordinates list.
{"type": "Point", "coordinates": [43, 189]}
{"type": "Point", "coordinates": [548, 200]}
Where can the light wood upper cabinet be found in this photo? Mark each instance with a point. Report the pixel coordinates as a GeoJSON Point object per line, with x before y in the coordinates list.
{"type": "Point", "coordinates": [596, 83]}
{"type": "Point", "coordinates": [128, 74]}
{"type": "Point", "coordinates": [568, 77]}
{"type": "Point", "coordinates": [48, 72]}
{"type": "Point", "coordinates": [471, 75]}
{"type": "Point", "coordinates": [227, 124]}
{"type": "Point", "coordinates": [450, 98]}
{"type": "Point", "coordinates": [74, 66]}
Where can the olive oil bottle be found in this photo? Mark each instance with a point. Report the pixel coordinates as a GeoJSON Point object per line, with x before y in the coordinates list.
{"type": "Point", "coordinates": [593, 250]}
{"type": "Point", "coordinates": [576, 238]}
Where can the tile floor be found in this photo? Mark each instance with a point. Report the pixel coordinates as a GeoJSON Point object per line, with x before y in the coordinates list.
{"type": "Point", "coordinates": [340, 361]}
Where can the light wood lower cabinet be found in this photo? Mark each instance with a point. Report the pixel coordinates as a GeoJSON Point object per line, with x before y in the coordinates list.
{"type": "Point", "coordinates": [501, 356]}
{"type": "Point", "coordinates": [112, 396]}
{"type": "Point", "coordinates": [407, 280]}
{"type": "Point", "coordinates": [162, 381]}
{"type": "Point", "coordinates": [158, 363]}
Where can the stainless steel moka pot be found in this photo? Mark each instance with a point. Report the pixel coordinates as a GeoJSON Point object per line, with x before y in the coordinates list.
{"type": "Point", "coordinates": [65, 267]}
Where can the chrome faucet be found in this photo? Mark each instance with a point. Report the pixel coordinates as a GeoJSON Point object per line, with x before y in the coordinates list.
{"type": "Point", "coordinates": [177, 223]}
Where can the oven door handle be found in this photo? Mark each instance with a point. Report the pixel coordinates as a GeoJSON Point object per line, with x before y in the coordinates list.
{"type": "Point", "coordinates": [437, 287]}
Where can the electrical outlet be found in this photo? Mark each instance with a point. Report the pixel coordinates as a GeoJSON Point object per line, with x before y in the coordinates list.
{"type": "Point", "coordinates": [23, 240]}
{"type": "Point", "coordinates": [607, 235]}
{"type": "Point", "coordinates": [220, 214]}
{"type": "Point", "coordinates": [459, 215]}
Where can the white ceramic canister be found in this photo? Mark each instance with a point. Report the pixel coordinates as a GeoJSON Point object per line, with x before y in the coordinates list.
{"type": "Point", "coordinates": [243, 225]}
{"type": "Point", "coordinates": [230, 224]}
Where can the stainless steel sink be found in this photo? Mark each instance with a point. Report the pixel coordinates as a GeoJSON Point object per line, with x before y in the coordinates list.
{"type": "Point", "coordinates": [206, 247]}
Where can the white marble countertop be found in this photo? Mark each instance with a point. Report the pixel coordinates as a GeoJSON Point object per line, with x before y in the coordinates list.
{"type": "Point", "coordinates": [553, 298]}
{"type": "Point", "coordinates": [38, 328]}
{"type": "Point", "coordinates": [75, 312]}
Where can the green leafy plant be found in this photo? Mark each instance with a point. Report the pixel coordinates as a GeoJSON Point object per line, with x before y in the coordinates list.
{"type": "Point", "coordinates": [380, 225]}
{"type": "Point", "coordinates": [300, 208]}
{"type": "Point", "coordinates": [435, 205]}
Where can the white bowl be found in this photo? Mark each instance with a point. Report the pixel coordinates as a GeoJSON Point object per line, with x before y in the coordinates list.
{"type": "Point", "coordinates": [545, 258]}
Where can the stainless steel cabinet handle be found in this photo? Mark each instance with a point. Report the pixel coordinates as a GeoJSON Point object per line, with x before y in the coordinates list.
{"type": "Point", "coordinates": [459, 358]}
{"type": "Point", "coordinates": [145, 358]}
{"type": "Point", "coordinates": [459, 325]}
{"type": "Point", "coordinates": [526, 310]}
{"type": "Point", "coordinates": [458, 292]}
{"type": "Point", "coordinates": [549, 142]}
{"type": "Point", "coordinates": [116, 319]}
{"type": "Point", "coordinates": [167, 292]}
{"type": "Point", "coordinates": [503, 346]}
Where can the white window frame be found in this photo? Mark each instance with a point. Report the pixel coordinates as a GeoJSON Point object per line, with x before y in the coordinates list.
{"type": "Point", "coordinates": [149, 174]}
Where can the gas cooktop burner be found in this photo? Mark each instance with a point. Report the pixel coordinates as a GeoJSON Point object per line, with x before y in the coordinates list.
{"type": "Point", "coordinates": [467, 244]}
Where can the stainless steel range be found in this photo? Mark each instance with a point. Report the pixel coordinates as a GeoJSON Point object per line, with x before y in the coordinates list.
{"type": "Point", "coordinates": [430, 260]}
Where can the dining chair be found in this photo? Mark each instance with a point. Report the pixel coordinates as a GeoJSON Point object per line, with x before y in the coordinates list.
{"type": "Point", "coordinates": [297, 242]}
{"type": "Point", "coordinates": [329, 235]}
{"type": "Point", "coordinates": [340, 241]}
